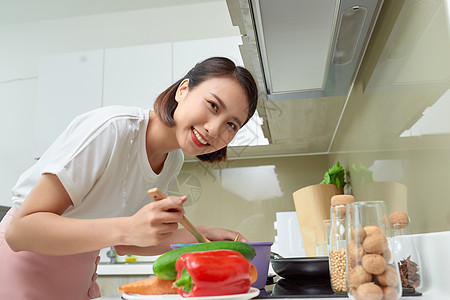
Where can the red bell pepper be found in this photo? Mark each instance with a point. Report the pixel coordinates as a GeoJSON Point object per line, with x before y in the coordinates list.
{"type": "Point", "coordinates": [212, 273]}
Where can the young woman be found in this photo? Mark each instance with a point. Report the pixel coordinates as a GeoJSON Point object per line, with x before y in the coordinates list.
{"type": "Point", "coordinates": [89, 189]}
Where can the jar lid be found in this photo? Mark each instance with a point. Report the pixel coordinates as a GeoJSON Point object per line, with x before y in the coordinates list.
{"type": "Point", "coordinates": [399, 219]}
{"type": "Point", "coordinates": [342, 199]}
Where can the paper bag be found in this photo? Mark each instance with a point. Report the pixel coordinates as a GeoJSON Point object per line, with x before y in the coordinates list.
{"type": "Point", "coordinates": [312, 204]}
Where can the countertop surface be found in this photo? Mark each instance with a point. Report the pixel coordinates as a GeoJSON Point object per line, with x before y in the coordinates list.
{"type": "Point", "coordinates": [425, 296]}
{"type": "Point", "coordinates": [434, 249]}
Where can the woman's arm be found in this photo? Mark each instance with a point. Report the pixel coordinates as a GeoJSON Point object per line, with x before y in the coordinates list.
{"type": "Point", "coordinates": [38, 225]}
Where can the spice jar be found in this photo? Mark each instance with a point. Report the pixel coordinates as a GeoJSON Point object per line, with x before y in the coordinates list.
{"type": "Point", "coordinates": [338, 242]}
{"type": "Point", "coordinates": [372, 273]}
{"type": "Point", "coordinates": [407, 257]}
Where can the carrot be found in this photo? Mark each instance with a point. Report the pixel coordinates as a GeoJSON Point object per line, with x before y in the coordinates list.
{"type": "Point", "coordinates": [254, 274]}
{"type": "Point", "coordinates": [151, 286]}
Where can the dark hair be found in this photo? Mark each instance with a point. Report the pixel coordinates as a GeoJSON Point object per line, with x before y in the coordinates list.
{"type": "Point", "coordinates": [213, 67]}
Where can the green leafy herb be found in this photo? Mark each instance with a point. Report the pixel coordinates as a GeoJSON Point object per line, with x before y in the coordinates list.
{"type": "Point", "coordinates": [335, 175]}
{"type": "Point", "coordinates": [360, 174]}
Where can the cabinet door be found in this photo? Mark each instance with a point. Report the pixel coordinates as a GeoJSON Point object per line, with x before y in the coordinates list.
{"type": "Point", "coordinates": [135, 76]}
{"type": "Point", "coordinates": [68, 85]}
{"type": "Point", "coordinates": [186, 54]}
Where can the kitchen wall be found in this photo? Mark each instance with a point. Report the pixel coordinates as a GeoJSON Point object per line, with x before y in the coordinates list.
{"type": "Point", "coordinates": [244, 195]}
{"type": "Point", "coordinates": [396, 118]}
{"type": "Point", "coordinates": [415, 181]}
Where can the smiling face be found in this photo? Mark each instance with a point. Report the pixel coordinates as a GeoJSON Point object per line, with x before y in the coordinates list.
{"type": "Point", "coordinates": [208, 116]}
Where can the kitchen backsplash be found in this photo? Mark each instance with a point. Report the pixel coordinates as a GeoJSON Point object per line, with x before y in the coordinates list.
{"type": "Point", "coordinates": [245, 195]}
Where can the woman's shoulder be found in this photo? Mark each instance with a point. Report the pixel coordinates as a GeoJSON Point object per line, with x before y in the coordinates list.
{"type": "Point", "coordinates": [178, 157]}
{"type": "Point", "coordinates": [104, 116]}
{"type": "Point", "coordinates": [116, 111]}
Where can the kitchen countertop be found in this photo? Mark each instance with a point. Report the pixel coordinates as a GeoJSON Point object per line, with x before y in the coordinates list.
{"type": "Point", "coordinates": [117, 297]}
{"type": "Point", "coordinates": [143, 266]}
{"type": "Point", "coordinates": [425, 296]}
{"type": "Point", "coordinates": [125, 269]}
{"type": "Point", "coordinates": [433, 248]}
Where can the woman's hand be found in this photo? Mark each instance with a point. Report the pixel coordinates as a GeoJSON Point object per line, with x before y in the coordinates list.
{"type": "Point", "coordinates": [182, 236]}
{"type": "Point", "coordinates": [155, 222]}
{"type": "Point", "coordinates": [221, 234]}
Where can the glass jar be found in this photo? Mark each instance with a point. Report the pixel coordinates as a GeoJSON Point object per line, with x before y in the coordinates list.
{"type": "Point", "coordinates": [337, 243]}
{"type": "Point", "coordinates": [405, 252]}
{"type": "Point", "coordinates": [372, 273]}
{"type": "Point", "coordinates": [326, 231]}
{"type": "Point", "coordinates": [322, 247]}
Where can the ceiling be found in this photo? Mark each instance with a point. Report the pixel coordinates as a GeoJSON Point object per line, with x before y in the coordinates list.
{"type": "Point", "coordinates": [24, 11]}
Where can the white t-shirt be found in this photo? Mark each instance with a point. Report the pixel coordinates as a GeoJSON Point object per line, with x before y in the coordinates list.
{"type": "Point", "coordinates": [101, 160]}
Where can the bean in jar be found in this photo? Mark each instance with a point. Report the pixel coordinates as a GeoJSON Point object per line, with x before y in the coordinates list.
{"type": "Point", "coordinates": [338, 270]}
{"type": "Point", "coordinates": [338, 243]}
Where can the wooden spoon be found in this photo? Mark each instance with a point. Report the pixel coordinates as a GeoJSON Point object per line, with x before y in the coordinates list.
{"type": "Point", "coordinates": [156, 194]}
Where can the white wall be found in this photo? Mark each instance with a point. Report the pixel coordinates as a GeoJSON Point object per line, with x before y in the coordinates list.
{"type": "Point", "coordinates": [23, 44]}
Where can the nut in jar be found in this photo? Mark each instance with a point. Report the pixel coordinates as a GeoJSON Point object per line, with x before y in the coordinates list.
{"type": "Point", "coordinates": [372, 273]}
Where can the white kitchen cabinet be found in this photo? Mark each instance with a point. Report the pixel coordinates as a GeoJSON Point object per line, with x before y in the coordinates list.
{"type": "Point", "coordinates": [68, 85]}
{"type": "Point", "coordinates": [72, 83]}
{"type": "Point", "coordinates": [135, 76]}
{"type": "Point", "coordinates": [187, 53]}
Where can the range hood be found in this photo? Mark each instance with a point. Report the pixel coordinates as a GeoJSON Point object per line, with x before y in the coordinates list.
{"type": "Point", "coordinates": [304, 48]}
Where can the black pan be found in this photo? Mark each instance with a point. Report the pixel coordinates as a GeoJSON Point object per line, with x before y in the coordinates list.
{"type": "Point", "coordinates": [315, 287]}
{"type": "Point", "coordinates": [300, 267]}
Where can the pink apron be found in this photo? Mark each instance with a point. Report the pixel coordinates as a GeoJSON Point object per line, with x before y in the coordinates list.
{"type": "Point", "coordinates": [27, 275]}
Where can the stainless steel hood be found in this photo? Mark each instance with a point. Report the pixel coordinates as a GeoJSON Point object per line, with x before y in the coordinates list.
{"type": "Point", "coordinates": [305, 54]}
{"type": "Point", "coordinates": [304, 48]}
